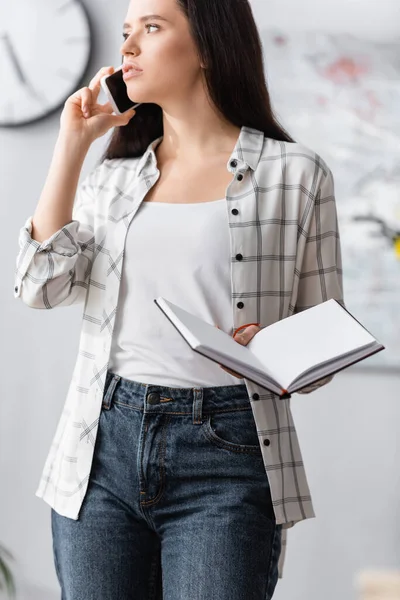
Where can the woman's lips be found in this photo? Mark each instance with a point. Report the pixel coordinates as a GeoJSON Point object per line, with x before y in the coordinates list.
{"type": "Point", "coordinates": [131, 73]}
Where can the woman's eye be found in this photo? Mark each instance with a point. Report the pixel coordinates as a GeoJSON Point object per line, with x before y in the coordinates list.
{"type": "Point", "coordinates": [126, 35]}
{"type": "Point", "coordinates": [151, 25]}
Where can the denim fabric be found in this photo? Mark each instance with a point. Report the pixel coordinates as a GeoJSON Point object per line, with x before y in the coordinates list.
{"type": "Point", "coordinates": [178, 505]}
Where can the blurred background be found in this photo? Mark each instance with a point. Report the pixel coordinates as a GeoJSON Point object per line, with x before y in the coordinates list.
{"type": "Point", "coordinates": [333, 73]}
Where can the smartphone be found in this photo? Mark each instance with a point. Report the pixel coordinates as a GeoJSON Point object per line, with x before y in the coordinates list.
{"type": "Point", "coordinates": [115, 89]}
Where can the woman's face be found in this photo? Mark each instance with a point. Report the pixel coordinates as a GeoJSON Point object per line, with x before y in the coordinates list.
{"type": "Point", "coordinates": [163, 49]}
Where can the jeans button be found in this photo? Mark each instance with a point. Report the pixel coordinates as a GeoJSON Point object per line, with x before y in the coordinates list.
{"type": "Point", "coordinates": [153, 398]}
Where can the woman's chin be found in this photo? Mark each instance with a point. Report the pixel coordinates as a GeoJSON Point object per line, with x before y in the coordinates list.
{"type": "Point", "coordinates": [136, 98]}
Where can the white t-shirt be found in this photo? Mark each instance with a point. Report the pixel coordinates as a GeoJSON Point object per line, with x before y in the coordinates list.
{"type": "Point", "coordinates": [181, 252]}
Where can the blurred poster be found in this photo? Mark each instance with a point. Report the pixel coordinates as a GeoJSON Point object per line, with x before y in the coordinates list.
{"type": "Point", "coordinates": [340, 96]}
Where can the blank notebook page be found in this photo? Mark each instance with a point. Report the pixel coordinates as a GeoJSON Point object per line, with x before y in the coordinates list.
{"type": "Point", "coordinates": [205, 335]}
{"type": "Point", "coordinates": [297, 343]}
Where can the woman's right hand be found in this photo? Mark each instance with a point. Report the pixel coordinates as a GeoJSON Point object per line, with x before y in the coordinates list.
{"type": "Point", "coordinates": [98, 119]}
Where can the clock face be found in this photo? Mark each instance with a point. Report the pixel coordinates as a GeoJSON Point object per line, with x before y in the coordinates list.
{"type": "Point", "coordinates": [44, 53]}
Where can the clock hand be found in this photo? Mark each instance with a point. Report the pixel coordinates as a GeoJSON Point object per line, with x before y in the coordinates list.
{"type": "Point", "coordinates": [13, 57]}
{"type": "Point", "coordinates": [18, 68]}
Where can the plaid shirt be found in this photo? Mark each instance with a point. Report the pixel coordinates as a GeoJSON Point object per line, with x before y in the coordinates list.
{"type": "Point", "coordinates": [285, 257]}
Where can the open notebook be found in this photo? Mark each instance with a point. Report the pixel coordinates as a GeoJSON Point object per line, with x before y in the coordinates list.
{"type": "Point", "coordinates": [288, 355]}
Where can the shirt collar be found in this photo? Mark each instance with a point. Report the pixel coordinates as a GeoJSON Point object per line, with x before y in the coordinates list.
{"type": "Point", "coordinates": [246, 153]}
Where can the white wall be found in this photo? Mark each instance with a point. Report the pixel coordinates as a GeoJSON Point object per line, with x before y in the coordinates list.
{"type": "Point", "coordinates": [347, 430]}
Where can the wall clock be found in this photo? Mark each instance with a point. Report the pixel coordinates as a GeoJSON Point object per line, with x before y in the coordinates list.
{"type": "Point", "coordinates": [45, 49]}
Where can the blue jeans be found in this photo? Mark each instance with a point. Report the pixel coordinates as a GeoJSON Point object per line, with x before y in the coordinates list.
{"type": "Point", "coordinates": [178, 505]}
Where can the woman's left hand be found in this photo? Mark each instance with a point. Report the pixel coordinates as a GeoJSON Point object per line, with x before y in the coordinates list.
{"type": "Point", "coordinates": [243, 337]}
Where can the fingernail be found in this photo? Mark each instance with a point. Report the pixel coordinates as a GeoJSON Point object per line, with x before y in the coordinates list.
{"type": "Point", "coordinates": [241, 332]}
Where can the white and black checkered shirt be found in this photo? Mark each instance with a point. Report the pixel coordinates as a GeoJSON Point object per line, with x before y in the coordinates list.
{"type": "Point", "coordinates": [285, 257]}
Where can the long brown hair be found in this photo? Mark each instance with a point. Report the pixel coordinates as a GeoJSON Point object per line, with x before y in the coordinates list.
{"type": "Point", "coordinates": [234, 77]}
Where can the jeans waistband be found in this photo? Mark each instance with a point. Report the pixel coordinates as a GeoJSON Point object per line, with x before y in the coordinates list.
{"type": "Point", "coordinates": [163, 399]}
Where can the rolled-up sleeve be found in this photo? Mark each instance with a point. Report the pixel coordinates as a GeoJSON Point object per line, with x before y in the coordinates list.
{"type": "Point", "coordinates": [321, 275]}
{"type": "Point", "coordinates": [56, 272]}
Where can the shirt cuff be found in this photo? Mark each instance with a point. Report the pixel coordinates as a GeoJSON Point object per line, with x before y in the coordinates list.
{"type": "Point", "coordinates": [62, 242]}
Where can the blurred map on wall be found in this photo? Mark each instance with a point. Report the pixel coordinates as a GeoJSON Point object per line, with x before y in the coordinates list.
{"type": "Point", "coordinates": [340, 96]}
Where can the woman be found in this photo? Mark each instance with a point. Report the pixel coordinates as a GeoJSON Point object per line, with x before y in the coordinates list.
{"type": "Point", "coordinates": [168, 477]}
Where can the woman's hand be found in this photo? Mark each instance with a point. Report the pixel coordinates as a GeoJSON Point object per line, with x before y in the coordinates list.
{"type": "Point", "coordinates": [85, 118]}
{"type": "Point", "coordinates": [243, 337]}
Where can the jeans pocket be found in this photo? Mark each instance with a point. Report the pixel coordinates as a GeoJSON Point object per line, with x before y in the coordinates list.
{"type": "Point", "coordinates": [233, 430]}
{"type": "Point", "coordinates": [112, 380]}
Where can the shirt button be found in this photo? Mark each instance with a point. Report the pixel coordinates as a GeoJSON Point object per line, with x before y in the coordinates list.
{"type": "Point", "coordinates": [256, 396]}
{"type": "Point", "coordinates": [235, 211]}
{"type": "Point", "coordinates": [240, 305]}
{"type": "Point", "coordinates": [239, 177]}
{"type": "Point", "coordinates": [239, 256]}
{"type": "Point", "coordinates": [16, 289]}
{"type": "Point", "coordinates": [266, 442]}
{"type": "Point", "coordinates": [233, 163]}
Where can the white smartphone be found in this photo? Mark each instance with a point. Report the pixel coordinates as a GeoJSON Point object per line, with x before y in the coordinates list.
{"type": "Point", "coordinates": [115, 89]}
